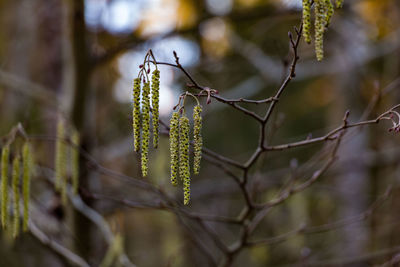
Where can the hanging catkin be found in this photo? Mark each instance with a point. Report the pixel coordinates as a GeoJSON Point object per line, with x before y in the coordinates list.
{"type": "Point", "coordinates": [75, 161]}
{"type": "Point", "coordinates": [320, 21]}
{"type": "Point", "coordinates": [307, 20]}
{"type": "Point", "coordinates": [113, 252]}
{"type": "Point", "coordinates": [174, 146]}
{"type": "Point", "coordinates": [136, 114]}
{"type": "Point", "coordinates": [27, 165]}
{"type": "Point", "coordinates": [15, 187]}
{"type": "Point", "coordinates": [197, 138]}
{"type": "Point", "coordinates": [5, 154]}
{"type": "Point", "coordinates": [329, 12]}
{"type": "Point", "coordinates": [60, 158]}
{"type": "Point", "coordinates": [339, 3]}
{"type": "Point", "coordinates": [155, 99]}
{"type": "Point", "coordinates": [184, 168]}
{"type": "Point", "coordinates": [145, 127]}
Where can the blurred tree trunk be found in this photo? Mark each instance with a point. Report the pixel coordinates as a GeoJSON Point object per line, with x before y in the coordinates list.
{"type": "Point", "coordinates": [78, 68]}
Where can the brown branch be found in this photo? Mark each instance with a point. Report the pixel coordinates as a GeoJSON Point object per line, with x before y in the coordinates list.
{"type": "Point", "coordinates": [331, 135]}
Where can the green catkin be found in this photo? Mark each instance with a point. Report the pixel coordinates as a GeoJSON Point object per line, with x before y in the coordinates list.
{"type": "Point", "coordinates": [329, 12]}
{"type": "Point", "coordinates": [27, 165]}
{"type": "Point", "coordinates": [319, 28]}
{"type": "Point", "coordinates": [184, 168]}
{"type": "Point", "coordinates": [155, 99]}
{"type": "Point", "coordinates": [5, 154]}
{"type": "Point", "coordinates": [15, 187]}
{"type": "Point", "coordinates": [339, 3]}
{"type": "Point", "coordinates": [307, 20]}
{"type": "Point", "coordinates": [136, 114]}
{"type": "Point", "coordinates": [113, 252]}
{"type": "Point", "coordinates": [174, 147]}
{"type": "Point", "coordinates": [198, 140]}
{"type": "Point", "coordinates": [75, 161]}
{"type": "Point", "coordinates": [145, 127]}
{"type": "Point", "coordinates": [60, 158]}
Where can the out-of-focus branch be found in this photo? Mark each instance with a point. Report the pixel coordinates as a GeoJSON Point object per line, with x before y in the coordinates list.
{"type": "Point", "coordinates": [29, 88]}
{"type": "Point", "coordinates": [56, 247]}
{"type": "Point", "coordinates": [92, 215]}
{"type": "Point", "coordinates": [367, 257]}
{"type": "Point", "coordinates": [325, 227]}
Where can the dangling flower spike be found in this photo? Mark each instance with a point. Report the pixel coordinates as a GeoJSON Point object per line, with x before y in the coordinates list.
{"type": "Point", "coordinates": [174, 146]}
{"type": "Point", "coordinates": [197, 138]}
{"type": "Point", "coordinates": [155, 99]}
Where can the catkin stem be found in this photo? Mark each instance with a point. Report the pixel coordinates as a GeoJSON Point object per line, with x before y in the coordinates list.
{"type": "Point", "coordinates": [184, 168]}
{"type": "Point", "coordinates": [26, 181]}
{"type": "Point", "coordinates": [174, 147]}
{"type": "Point", "coordinates": [145, 127]}
{"type": "Point", "coordinates": [15, 187]}
{"type": "Point", "coordinates": [155, 99]}
{"type": "Point", "coordinates": [5, 155]}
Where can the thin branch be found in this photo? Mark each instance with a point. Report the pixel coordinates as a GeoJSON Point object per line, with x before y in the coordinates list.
{"type": "Point", "coordinates": [56, 247]}
{"type": "Point", "coordinates": [331, 135]}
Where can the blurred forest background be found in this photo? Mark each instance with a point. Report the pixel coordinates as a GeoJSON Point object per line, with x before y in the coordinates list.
{"type": "Point", "coordinates": [79, 58]}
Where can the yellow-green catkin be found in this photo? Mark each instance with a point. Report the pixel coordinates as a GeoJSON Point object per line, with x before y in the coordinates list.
{"type": "Point", "coordinates": [320, 21]}
{"type": "Point", "coordinates": [329, 12]}
{"type": "Point", "coordinates": [339, 3]}
{"type": "Point", "coordinates": [136, 114]}
{"type": "Point", "coordinates": [5, 155]}
{"type": "Point", "coordinates": [27, 166]}
{"type": "Point", "coordinates": [75, 139]}
{"type": "Point", "coordinates": [145, 127]}
{"type": "Point", "coordinates": [307, 20]}
{"type": "Point", "coordinates": [60, 158]}
{"type": "Point", "coordinates": [15, 187]}
{"type": "Point", "coordinates": [155, 99]}
{"type": "Point", "coordinates": [197, 138]}
{"type": "Point", "coordinates": [184, 168]}
{"type": "Point", "coordinates": [174, 146]}
{"type": "Point", "coordinates": [113, 252]}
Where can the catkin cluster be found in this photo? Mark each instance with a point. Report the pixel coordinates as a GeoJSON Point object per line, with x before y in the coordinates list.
{"type": "Point", "coordinates": [27, 166]}
{"type": "Point", "coordinates": [141, 118]}
{"type": "Point", "coordinates": [179, 148]}
{"type": "Point", "coordinates": [66, 156]}
{"type": "Point", "coordinates": [323, 11]}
